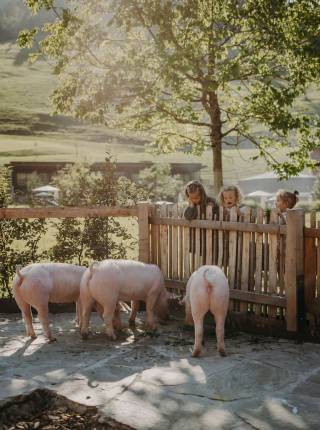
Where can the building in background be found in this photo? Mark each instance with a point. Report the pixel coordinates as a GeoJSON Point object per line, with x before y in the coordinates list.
{"type": "Point", "coordinates": [21, 171]}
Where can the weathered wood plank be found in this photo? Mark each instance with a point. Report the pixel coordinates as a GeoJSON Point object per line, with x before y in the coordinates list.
{"type": "Point", "coordinates": [259, 255]}
{"type": "Point", "coordinates": [143, 227]}
{"type": "Point", "coordinates": [232, 250]}
{"type": "Point", "coordinates": [186, 253]}
{"type": "Point", "coordinates": [282, 256]}
{"type": "Point", "coordinates": [245, 259]}
{"type": "Point", "coordinates": [180, 236]}
{"type": "Point", "coordinates": [222, 225]}
{"type": "Point", "coordinates": [197, 255]}
{"type": "Point", "coordinates": [164, 242]}
{"type": "Point", "coordinates": [294, 265]}
{"type": "Point", "coordinates": [310, 270]}
{"type": "Point", "coordinates": [273, 261]}
{"type": "Point", "coordinates": [153, 239]}
{"type": "Point", "coordinates": [220, 237]}
{"type": "Point", "coordinates": [208, 236]}
{"type": "Point", "coordinates": [248, 296]}
{"type": "Point", "coordinates": [175, 244]}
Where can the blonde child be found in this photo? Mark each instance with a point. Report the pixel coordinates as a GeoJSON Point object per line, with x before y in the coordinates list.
{"type": "Point", "coordinates": [230, 196]}
{"type": "Point", "coordinates": [285, 200]}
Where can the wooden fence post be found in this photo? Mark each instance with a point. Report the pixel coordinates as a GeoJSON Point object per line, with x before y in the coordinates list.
{"type": "Point", "coordinates": [143, 222]}
{"type": "Point", "coordinates": [294, 273]}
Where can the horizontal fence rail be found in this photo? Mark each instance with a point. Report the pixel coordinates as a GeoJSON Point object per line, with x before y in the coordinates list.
{"type": "Point", "coordinates": [220, 225]}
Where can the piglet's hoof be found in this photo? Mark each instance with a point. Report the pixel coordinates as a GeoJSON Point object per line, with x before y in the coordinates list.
{"type": "Point", "coordinates": [84, 336]}
{"type": "Point", "coordinates": [112, 336]}
{"type": "Point", "coordinates": [52, 339]}
{"type": "Point", "coordinates": [132, 323]}
{"type": "Point", "coordinates": [222, 353]}
{"type": "Point", "coordinates": [196, 353]}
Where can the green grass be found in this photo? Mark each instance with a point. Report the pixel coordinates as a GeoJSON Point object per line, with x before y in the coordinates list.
{"type": "Point", "coordinates": [47, 241]}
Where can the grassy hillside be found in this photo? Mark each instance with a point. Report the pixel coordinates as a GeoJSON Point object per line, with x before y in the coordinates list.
{"type": "Point", "coordinates": [28, 131]}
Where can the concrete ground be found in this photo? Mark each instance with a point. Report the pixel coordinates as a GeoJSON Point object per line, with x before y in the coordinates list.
{"type": "Point", "coordinates": [152, 382]}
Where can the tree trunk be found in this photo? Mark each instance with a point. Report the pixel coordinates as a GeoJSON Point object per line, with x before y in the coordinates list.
{"type": "Point", "coordinates": [216, 144]}
{"type": "Point", "coordinates": [217, 166]}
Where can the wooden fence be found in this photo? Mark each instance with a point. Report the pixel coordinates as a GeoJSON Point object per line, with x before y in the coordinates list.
{"type": "Point", "coordinates": [273, 268]}
{"type": "Point", "coordinates": [262, 257]}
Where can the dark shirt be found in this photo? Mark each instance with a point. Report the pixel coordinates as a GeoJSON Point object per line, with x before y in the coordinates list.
{"type": "Point", "coordinates": [191, 212]}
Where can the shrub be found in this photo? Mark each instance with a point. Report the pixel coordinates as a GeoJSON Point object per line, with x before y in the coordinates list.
{"type": "Point", "coordinates": [81, 241]}
{"type": "Point", "coordinates": [25, 232]}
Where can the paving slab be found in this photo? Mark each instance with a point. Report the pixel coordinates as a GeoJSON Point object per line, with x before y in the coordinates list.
{"type": "Point", "coordinates": [152, 382]}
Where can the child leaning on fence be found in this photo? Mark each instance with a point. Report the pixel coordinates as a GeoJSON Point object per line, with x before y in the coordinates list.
{"type": "Point", "coordinates": [285, 200]}
{"type": "Point", "coordinates": [197, 198]}
{"type": "Point", "coordinates": [230, 196]}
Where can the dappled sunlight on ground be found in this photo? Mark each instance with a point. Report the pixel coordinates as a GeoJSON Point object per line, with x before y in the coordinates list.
{"type": "Point", "coordinates": [151, 381]}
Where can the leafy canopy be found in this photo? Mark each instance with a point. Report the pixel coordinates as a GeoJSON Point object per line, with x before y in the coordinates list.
{"type": "Point", "coordinates": [194, 73]}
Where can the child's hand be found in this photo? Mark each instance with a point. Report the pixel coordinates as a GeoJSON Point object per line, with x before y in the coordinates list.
{"type": "Point", "coordinates": [191, 204]}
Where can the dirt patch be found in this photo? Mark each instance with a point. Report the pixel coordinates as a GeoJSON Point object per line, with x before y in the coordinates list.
{"type": "Point", "coordinates": [44, 409]}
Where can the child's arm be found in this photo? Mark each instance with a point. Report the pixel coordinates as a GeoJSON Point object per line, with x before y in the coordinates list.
{"type": "Point", "coordinates": [190, 212]}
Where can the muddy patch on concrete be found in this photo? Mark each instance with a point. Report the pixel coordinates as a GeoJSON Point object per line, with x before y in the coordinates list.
{"type": "Point", "coordinates": [46, 410]}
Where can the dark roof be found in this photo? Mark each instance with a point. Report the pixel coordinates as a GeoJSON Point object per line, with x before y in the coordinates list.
{"type": "Point", "coordinates": [133, 166]}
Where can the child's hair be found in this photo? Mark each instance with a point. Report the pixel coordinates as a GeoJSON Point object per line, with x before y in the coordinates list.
{"type": "Point", "coordinates": [197, 187]}
{"type": "Point", "coordinates": [233, 188]}
{"type": "Point", "coordinates": [290, 199]}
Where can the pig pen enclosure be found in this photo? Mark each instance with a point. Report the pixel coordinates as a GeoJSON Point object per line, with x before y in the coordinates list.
{"type": "Point", "coordinates": [274, 277]}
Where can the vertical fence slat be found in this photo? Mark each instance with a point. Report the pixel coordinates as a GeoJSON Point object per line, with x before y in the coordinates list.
{"type": "Point", "coordinates": [175, 244]}
{"type": "Point", "coordinates": [143, 226]}
{"type": "Point", "coordinates": [259, 255]}
{"type": "Point", "coordinates": [164, 242]}
{"type": "Point", "coordinates": [273, 261]}
{"type": "Point", "coordinates": [310, 265]}
{"type": "Point", "coordinates": [180, 234]}
{"type": "Point", "coordinates": [158, 235]}
{"type": "Point", "coordinates": [215, 243]}
{"type": "Point", "coordinates": [245, 260]}
{"type": "Point", "coordinates": [153, 239]}
{"type": "Point", "coordinates": [220, 239]}
{"type": "Point", "coordinates": [232, 250]}
{"type": "Point", "coordinates": [196, 256]}
{"type": "Point", "coordinates": [281, 267]}
{"type": "Point", "coordinates": [252, 253]}
{"type": "Point", "coordinates": [273, 255]}
{"type": "Point", "coordinates": [208, 237]}
{"type": "Point", "coordinates": [186, 252]}
{"type": "Point", "coordinates": [294, 265]}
